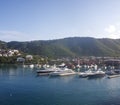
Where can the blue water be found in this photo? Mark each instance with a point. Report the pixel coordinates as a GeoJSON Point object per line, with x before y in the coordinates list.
{"type": "Point", "coordinates": [20, 86]}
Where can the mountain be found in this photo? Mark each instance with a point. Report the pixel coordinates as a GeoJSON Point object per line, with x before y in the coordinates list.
{"type": "Point", "coordinates": [3, 45]}
{"type": "Point", "coordinates": [69, 47]}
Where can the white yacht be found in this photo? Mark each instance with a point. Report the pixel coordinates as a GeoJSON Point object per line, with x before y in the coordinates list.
{"type": "Point", "coordinates": [47, 70]}
{"type": "Point", "coordinates": [92, 74]}
{"type": "Point", "coordinates": [85, 74]}
{"type": "Point", "coordinates": [62, 72]}
{"type": "Point", "coordinates": [97, 74]}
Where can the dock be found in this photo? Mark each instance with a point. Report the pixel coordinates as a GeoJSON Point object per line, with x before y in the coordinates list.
{"type": "Point", "coordinates": [114, 76]}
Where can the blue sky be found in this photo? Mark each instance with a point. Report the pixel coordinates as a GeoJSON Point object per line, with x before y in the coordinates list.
{"type": "Point", "coordinates": [26, 20]}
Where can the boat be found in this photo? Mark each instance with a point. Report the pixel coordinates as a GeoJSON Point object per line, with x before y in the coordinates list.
{"type": "Point", "coordinates": [46, 70]}
{"type": "Point", "coordinates": [92, 74]}
{"type": "Point", "coordinates": [113, 73]}
{"type": "Point", "coordinates": [85, 73]}
{"type": "Point", "coordinates": [63, 72]}
{"type": "Point", "coordinates": [97, 74]}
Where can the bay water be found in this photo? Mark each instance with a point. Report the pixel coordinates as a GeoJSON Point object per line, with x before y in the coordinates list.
{"type": "Point", "coordinates": [22, 86]}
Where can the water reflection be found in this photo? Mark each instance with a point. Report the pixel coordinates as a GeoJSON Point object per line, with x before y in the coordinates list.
{"type": "Point", "coordinates": [13, 70]}
{"type": "Point", "coordinates": [65, 79]}
{"type": "Point", "coordinates": [19, 86]}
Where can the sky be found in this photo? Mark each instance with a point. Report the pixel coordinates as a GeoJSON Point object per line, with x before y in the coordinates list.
{"type": "Point", "coordinates": [27, 20]}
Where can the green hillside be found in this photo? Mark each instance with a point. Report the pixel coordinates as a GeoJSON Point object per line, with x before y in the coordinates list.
{"type": "Point", "coordinates": [70, 47]}
{"type": "Point", "coordinates": [3, 45]}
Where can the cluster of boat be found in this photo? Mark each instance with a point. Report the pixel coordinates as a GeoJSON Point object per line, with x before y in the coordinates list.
{"type": "Point", "coordinates": [113, 73]}
{"type": "Point", "coordinates": [92, 73]}
{"type": "Point", "coordinates": [64, 71]}
{"type": "Point", "coordinates": [56, 71]}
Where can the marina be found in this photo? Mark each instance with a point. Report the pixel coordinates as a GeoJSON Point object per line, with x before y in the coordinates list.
{"type": "Point", "coordinates": [83, 71]}
{"type": "Point", "coordinates": [60, 52]}
{"type": "Point", "coordinates": [61, 90]}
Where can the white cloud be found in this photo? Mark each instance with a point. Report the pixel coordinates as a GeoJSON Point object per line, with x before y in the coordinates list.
{"type": "Point", "coordinates": [110, 29]}
{"type": "Point", "coordinates": [13, 36]}
{"type": "Point", "coordinates": [113, 31]}
{"type": "Point", "coordinates": [113, 36]}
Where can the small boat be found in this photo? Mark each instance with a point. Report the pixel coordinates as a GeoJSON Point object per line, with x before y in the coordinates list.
{"type": "Point", "coordinates": [45, 71]}
{"type": "Point", "coordinates": [111, 72]}
{"type": "Point", "coordinates": [117, 71]}
{"type": "Point", "coordinates": [62, 72]}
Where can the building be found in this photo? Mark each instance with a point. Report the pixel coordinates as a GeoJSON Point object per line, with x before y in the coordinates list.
{"type": "Point", "coordinates": [20, 59]}
{"type": "Point", "coordinates": [29, 57]}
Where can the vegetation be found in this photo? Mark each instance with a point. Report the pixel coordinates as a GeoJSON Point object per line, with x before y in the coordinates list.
{"type": "Point", "coordinates": [3, 45]}
{"type": "Point", "coordinates": [8, 60]}
{"type": "Point", "coordinates": [68, 47]}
